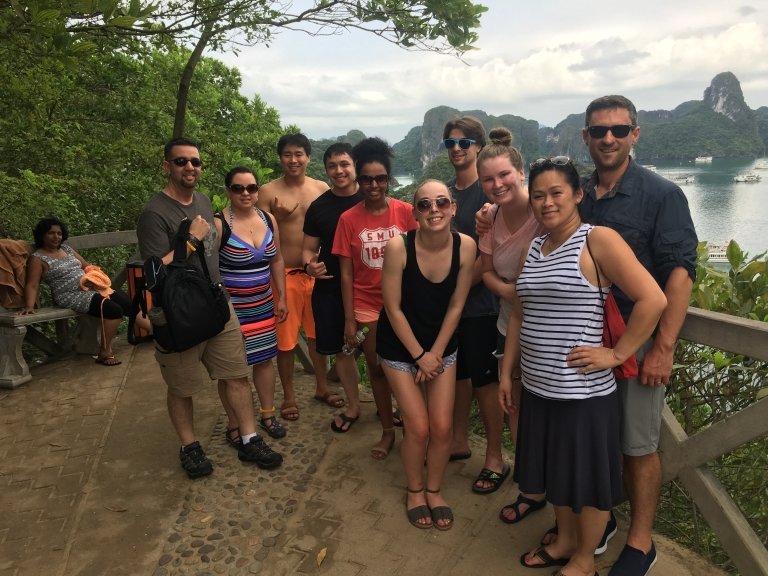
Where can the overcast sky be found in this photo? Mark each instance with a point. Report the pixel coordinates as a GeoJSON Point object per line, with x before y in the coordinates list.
{"type": "Point", "coordinates": [540, 60]}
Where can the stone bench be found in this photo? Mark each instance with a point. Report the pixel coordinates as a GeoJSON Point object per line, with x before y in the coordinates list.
{"type": "Point", "coordinates": [84, 339]}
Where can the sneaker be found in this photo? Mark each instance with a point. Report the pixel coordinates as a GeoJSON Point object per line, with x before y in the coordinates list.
{"type": "Point", "coordinates": [610, 531]}
{"type": "Point", "coordinates": [194, 461]}
{"type": "Point", "coordinates": [632, 562]}
{"type": "Point", "coordinates": [258, 452]}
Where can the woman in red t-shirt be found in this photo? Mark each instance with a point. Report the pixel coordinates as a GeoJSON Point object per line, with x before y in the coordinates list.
{"type": "Point", "coordinates": [361, 236]}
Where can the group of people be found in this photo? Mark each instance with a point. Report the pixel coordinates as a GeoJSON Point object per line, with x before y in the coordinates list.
{"type": "Point", "coordinates": [482, 287]}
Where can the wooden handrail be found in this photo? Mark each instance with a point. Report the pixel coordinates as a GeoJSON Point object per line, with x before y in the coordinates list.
{"type": "Point", "coordinates": [686, 457]}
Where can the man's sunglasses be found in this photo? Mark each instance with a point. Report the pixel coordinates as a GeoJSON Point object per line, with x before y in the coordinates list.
{"type": "Point", "coordinates": [554, 161]}
{"type": "Point", "coordinates": [181, 162]}
{"type": "Point", "coordinates": [618, 131]}
{"type": "Point", "coordinates": [238, 188]}
{"type": "Point", "coordinates": [380, 179]}
{"type": "Point", "coordinates": [464, 143]}
{"type": "Point", "coordinates": [425, 204]}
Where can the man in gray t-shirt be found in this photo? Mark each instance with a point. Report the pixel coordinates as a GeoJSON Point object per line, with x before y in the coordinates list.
{"type": "Point", "coordinates": [223, 355]}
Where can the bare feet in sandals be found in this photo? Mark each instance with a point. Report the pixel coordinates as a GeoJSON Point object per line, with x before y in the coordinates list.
{"type": "Point", "coordinates": [107, 359]}
{"type": "Point", "coordinates": [381, 450]}
{"type": "Point", "coordinates": [330, 398]}
{"type": "Point", "coordinates": [289, 411]}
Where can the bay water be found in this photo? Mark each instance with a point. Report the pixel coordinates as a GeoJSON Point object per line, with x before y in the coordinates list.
{"type": "Point", "coordinates": [722, 209]}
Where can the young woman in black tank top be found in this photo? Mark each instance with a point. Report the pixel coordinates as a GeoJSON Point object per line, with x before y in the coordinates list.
{"type": "Point", "coordinates": [425, 281]}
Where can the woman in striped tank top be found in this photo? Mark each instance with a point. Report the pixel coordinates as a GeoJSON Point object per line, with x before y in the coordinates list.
{"type": "Point", "coordinates": [568, 435]}
{"type": "Point", "coordinates": [250, 263]}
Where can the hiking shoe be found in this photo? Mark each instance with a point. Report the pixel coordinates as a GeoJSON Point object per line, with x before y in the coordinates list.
{"type": "Point", "coordinates": [632, 562]}
{"type": "Point", "coordinates": [194, 461]}
{"type": "Point", "coordinates": [610, 531]}
{"type": "Point", "coordinates": [258, 452]}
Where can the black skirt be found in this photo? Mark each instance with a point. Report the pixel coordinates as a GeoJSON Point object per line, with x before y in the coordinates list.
{"type": "Point", "coordinates": [570, 450]}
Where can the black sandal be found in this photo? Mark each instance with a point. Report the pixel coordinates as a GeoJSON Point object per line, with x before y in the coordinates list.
{"type": "Point", "coordinates": [441, 513]}
{"type": "Point", "coordinates": [272, 426]}
{"type": "Point", "coordinates": [236, 442]}
{"type": "Point", "coordinates": [533, 506]}
{"type": "Point", "coordinates": [418, 513]}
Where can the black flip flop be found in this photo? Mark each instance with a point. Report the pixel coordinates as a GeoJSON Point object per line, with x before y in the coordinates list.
{"type": "Point", "coordinates": [542, 554]}
{"type": "Point", "coordinates": [345, 421]}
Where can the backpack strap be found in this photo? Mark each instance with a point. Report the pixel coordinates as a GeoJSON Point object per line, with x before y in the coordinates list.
{"type": "Point", "coordinates": [180, 250]}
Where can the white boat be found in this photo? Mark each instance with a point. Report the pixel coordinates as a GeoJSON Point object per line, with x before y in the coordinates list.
{"type": "Point", "coordinates": [683, 179]}
{"type": "Point", "coordinates": [747, 177]}
{"type": "Point", "coordinates": [650, 167]}
{"type": "Point", "coordinates": [761, 164]}
{"type": "Point", "coordinates": [703, 160]}
{"type": "Point", "coordinates": [717, 251]}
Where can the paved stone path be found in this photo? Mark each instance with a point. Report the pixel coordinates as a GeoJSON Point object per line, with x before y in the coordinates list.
{"type": "Point", "coordinates": [90, 484]}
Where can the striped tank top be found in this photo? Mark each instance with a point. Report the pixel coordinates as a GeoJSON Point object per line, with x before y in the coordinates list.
{"type": "Point", "coordinates": [561, 309]}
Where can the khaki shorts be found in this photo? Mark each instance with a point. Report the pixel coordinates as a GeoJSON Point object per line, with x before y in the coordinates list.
{"type": "Point", "coordinates": [641, 408]}
{"type": "Point", "coordinates": [223, 357]}
{"type": "Point", "coordinates": [298, 300]}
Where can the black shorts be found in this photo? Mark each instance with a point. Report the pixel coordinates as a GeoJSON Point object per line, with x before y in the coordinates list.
{"type": "Point", "coordinates": [477, 343]}
{"type": "Point", "coordinates": [328, 312]}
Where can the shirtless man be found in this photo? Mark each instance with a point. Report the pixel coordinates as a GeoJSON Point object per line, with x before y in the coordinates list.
{"type": "Point", "coordinates": [288, 198]}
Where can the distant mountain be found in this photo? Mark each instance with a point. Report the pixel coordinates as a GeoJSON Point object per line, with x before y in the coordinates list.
{"type": "Point", "coordinates": [720, 125]}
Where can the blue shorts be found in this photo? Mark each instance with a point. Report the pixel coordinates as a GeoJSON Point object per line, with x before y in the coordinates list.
{"type": "Point", "coordinates": [412, 367]}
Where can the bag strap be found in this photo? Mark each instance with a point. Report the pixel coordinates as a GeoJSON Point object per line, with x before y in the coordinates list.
{"type": "Point", "coordinates": [599, 287]}
{"type": "Point", "coordinates": [180, 250]}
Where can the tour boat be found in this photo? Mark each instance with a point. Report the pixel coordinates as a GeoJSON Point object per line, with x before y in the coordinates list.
{"type": "Point", "coordinates": [703, 159]}
{"type": "Point", "coordinates": [683, 179]}
{"type": "Point", "coordinates": [747, 177]}
{"type": "Point", "coordinates": [717, 251]}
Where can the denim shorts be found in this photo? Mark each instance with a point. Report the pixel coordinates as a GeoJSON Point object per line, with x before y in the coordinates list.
{"type": "Point", "coordinates": [412, 367]}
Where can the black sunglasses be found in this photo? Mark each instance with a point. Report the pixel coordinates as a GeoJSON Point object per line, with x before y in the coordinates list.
{"type": "Point", "coordinates": [618, 131]}
{"type": "Point", "coordinates": [380, 179]}
{"type": "Point", "coordinates": [181, 162]}
{"type": "Point", "coordinates": [464, 143]}
{"type": "Point", "coordinates": [554, 161]}
{"type": "Point", "coordinates": [238, 188]}
{"type": "Point", "coordinates": [425, 204]}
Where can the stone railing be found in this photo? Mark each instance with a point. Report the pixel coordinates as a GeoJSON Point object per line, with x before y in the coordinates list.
{"type": "Point", "coordinates": [686, 457]}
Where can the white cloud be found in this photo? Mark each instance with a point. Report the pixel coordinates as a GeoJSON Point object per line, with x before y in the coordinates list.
{"type": "Point", "coordinates": [540, 64]}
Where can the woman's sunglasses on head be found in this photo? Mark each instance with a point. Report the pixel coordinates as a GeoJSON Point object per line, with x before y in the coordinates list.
{"type": "Point", "coordinates": [554, 161]}
{"type": "Point", "coordinates": [425, 204]}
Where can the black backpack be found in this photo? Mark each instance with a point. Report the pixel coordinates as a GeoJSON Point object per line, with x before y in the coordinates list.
{"type": "Point", "coordinates": [188, 308]}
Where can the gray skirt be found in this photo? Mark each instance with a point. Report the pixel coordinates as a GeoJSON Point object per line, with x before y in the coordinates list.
{"type": "Point", "coordinates": [570, 450]}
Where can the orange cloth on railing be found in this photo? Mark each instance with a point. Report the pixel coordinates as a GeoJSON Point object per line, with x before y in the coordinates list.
{"type": "Point", "coordinates": [96, 279]}
{"type": "Point", "coordinates": [13, 272]}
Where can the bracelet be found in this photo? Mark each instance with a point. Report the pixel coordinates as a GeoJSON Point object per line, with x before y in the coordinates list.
{"type": "Point", "coordinates": [306, 265]}
{"type": "Point", "coordinates": [191, 246]}
{"type": "Point", "coordinates": [194, 242]}
{"type": "Point", "coordinates": [420, 356]}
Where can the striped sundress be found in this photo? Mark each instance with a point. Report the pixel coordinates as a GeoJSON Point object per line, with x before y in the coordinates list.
{"type": "Point", "coordinates": [246, 275]}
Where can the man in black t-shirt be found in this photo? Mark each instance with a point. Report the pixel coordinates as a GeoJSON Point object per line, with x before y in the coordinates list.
{"type": "Point", "coordinates": [327, 306]}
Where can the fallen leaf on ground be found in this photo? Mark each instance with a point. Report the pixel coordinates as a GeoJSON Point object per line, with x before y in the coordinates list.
{"type": "Point", "coordinates": [116, 508]}
{"type": "Point", "coordinates": [321, 556]}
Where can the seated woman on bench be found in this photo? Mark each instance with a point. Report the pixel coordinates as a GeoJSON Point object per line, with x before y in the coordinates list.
{"type": "Point", "coordinates": [62, 268]}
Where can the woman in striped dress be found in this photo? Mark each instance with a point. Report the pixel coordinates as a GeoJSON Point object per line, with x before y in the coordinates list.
{"type": "Point", "coordinates": [568, 434]}
{"type": "Point", "coordinates": [251, 264]}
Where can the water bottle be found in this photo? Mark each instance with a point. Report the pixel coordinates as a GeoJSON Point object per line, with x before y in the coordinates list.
{"type": "Point", "coordinates": [359, 338]}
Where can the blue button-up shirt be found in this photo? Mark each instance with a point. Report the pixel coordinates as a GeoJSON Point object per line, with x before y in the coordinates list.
{"type": "Point", "coordinates": [652, 215]}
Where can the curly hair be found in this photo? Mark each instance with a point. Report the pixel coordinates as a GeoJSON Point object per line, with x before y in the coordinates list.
{"type": "Point", "coordinates": [44, 225]}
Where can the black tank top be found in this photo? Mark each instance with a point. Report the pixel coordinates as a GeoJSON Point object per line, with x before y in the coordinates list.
{"type": "Point", "coordinates": [424, 304]}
